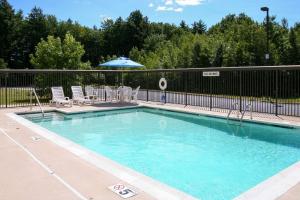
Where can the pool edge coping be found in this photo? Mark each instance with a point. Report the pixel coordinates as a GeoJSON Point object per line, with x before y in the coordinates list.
{"type": "Point", "coordinates": [142, 182]}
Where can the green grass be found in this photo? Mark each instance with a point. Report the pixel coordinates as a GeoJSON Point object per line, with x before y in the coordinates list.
{"type": "Point", "coordinates": [16, 96]}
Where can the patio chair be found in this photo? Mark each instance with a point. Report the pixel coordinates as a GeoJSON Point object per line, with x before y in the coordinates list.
{"type": "Point", "coordinates": [58, 97]}
{"type": "Point", "coordinates": [127, 93]}
{"type": "Point", "coordinates": [110, 94]}
{"type": "Point", "coordinates": [90, 92]}
{"type": "Point", "coordinates": [135, 94]}
{"type": "Point", "coordinates": [124, 93]}
{"type": "Point", "coordinates": [78, 96]}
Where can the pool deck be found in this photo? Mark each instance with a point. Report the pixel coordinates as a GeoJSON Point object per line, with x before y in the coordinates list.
{"type": "Point", "coordinates": [41, 169]}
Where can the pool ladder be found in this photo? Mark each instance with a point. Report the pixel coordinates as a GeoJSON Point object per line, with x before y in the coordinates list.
{"type": "Point", "coordinates": [233, 107]}
{"type": "Point", "coordinates": [37, 100]}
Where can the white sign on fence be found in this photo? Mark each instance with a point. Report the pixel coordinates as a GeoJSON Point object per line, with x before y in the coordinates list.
{"type": "Point", "coordinates": [211, 73]}
{"type": "Point", "coordinates": [122, 190]}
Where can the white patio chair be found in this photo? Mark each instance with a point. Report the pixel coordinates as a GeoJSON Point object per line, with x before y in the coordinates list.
{"type": "Point", "coordinates": [110, 94]}
{"type": "Point", "coordinates": [58, 97]}
{"type": "Point", "coordinates": [90, 92]}
{"type": "Point", "coordinates": [127, 93]}
{"type": "Point", "coordinates": [124, 93]}
{"type": "Point", "coordinates": [120, 92]}
{"type": "Point", "coordinates": [78, 96]}
{"type": "Point", "coordinates": [135, 94]}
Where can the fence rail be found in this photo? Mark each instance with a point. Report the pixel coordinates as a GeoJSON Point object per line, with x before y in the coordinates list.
{"type": "Point", "coordinates": [270, 89]}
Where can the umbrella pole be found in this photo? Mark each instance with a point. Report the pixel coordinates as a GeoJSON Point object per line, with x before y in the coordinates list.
{"type": "Point", "coordinates": [122, 78]}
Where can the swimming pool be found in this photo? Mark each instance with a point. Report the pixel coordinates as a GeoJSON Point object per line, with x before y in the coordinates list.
{"type": "Point", "coordinates": [202, 156]}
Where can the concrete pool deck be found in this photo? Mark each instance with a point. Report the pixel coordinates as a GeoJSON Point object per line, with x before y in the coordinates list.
{"type": "Point", "coordinates": [28, 166]}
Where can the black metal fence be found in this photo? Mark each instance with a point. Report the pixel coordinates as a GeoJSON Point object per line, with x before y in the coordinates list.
{"type": "Point", "coordinates": [274, 90]}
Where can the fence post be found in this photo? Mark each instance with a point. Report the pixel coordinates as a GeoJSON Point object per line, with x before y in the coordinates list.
{"type": "Point", "coordinates": [30, 93]}
{"type": "Point", "coordinates": [34, 87]}
{"type": "Point", "coordinates": [185, 86]}
{"type": "Point", "coordinates": [276, 93]}
{"type": "Point", "coordinates": [105, 75]}
{"type": "Point", "coordinates": [165, 90]}
{"type": "Point", "coordinates": [240, 76]}
{"type": "Point", "coordinates": [210, 93]}
{"type": "Point", "coordinates": [147, 86]}
{"type": "Point", "coordinates": [6, 75]}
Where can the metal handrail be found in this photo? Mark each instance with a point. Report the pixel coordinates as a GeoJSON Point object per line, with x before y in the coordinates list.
{"type": "Point", "coordinates": [249, 108]}
{"type": "Point", "coordinates": [231, 109]}
{"type": "Point", "coordinates": [37, 99]}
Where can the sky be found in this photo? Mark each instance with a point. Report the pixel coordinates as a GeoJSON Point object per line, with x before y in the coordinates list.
{"type": "Point", "coordinates": [92, 12]}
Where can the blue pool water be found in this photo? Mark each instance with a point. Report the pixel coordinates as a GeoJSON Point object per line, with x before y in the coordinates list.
{"type": "Point", "coordinates": [202, 156]}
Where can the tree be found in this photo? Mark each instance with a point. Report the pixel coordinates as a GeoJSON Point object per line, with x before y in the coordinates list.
{"type": "Point", "coordinates": [7, 15]}
{"type": "Point", "coordinates": [294, 53]}
{"type": "Point", "coordinates": [35, 29]}
{"type": "Point", "coordinates": [184, 26]}
{"type": "Point", "coordinates": [218, 59]}
{"type": "Point", "coordinates": [54, 54]}
{"type": "Point", "coordinates": [284, 23]}
{"type": "Point", "coordinates": [196, 60]}
{"type": "Point", "coordinates": [118, 38]}
{"type": "Point", "coordinates": [137, 29]}
{"type": "Point", "coordinates": [51, 25]}
{"type": "Point", "coordinates": [154, 41]}
{"type": "Point", "coordinates": [199, 27]}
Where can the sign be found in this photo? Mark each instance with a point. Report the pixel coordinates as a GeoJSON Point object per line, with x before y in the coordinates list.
{"type": "Point", "coordinates": [211, 73]}
{"type": "Point", "coordinates": [122, 191]}
{"type": "Point", "coordinates": [267, 56]}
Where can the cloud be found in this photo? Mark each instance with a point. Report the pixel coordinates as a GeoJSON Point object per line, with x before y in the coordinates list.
{"type": "Point", "coordinates": [178, 9]}
{"type": "Point", "coordinates": [189, 2]}
{"type": "Point", "coordinates": [176, 5]}
{"type": "Point", "coordinates": [168, 2]}
{"type": "Point", "coordinates": [166, 8]}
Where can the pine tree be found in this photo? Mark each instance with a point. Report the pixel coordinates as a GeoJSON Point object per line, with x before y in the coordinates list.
{"type": "Point", "coordinates": [199, 27]}
{"type": "Point", "coordinates": [6, 28]}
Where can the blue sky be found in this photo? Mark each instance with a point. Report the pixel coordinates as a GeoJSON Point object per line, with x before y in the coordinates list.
{"type": "Point", "coordinates": [92, 12]}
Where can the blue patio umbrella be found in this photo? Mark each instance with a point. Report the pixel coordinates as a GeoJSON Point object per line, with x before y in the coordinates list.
{"type": "Point", "coordinates": [122, 62]}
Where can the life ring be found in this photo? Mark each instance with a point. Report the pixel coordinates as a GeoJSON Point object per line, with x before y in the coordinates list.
{"type": "Point", "coordinates": [162, 84]}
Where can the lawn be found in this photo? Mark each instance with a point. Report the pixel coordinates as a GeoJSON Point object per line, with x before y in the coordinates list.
{"type": "Point", "coordinates": [17, 97]}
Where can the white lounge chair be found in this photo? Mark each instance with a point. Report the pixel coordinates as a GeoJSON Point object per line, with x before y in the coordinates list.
{"type": "Point", "coordinates": [135, 94]}
{"type": "Point", "coordinates": [110, 94]}
{"type": "Point", "coordinates": [78, 96]}
{"type": "Point", "coordinates": [58, 97]}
